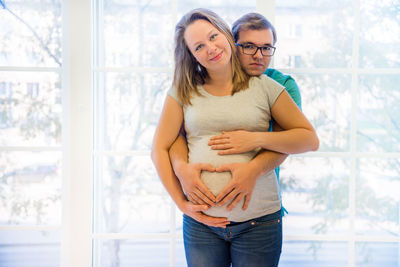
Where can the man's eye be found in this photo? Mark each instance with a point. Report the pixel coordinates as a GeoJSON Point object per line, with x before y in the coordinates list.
{"type": "Point", "coordinates": [248, 46]}
{"type": "Point", "coordinates": [266, 48]}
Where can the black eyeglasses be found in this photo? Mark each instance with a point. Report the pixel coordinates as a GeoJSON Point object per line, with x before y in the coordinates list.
{"type": "Point", "coordinates": [251, 49]}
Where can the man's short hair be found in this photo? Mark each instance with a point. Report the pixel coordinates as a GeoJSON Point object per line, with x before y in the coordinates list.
{"type": "Point", "coordinates": [252, 21]}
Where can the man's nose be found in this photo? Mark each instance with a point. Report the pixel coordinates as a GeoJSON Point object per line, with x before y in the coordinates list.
{"type": "Point", "coordinates": [258, 54]}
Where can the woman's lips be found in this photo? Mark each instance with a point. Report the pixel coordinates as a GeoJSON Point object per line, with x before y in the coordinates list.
{"type": "Point", "coordinates": [216, 57]}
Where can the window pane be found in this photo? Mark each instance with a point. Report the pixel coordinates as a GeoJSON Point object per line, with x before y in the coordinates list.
{"type": "Point", "coordinates": [180, 259]}
{"type": "Point", "coordinates": [378, 113]}
{"type": "Point", "coordinates": [130, 197]}
{"type": "Point", "coordinates": [314, 33]}
{"type": "Point", "coordinates": [327, 104]}
{"type": "Point", "coordinates": [128, 253]}
{"type": "Point", "coordinates": [315, 193]}
{"type": "Point", "coordinates": [379, 34]}
{"type": "Point", "coordinates": [136, 33]}
{"type": "Point", "coordinates": [31, 108]}
{"type": "Point", "coordinates": [30, 188]}
{"type": "Point", "coordinates": [377, 197]}
{"type": "Point", "coordinates": [314, 254]}
{"type": "Point", "coordinates": [29, 248]}
{"type": "Point", "coordinates": [128, 108]}
{"type": "Point", "coordinates": [229, 13]}
{"type": "Point", "coordinates": [30, 33]}
{"type": "Point", "coordinates": [377, 254]}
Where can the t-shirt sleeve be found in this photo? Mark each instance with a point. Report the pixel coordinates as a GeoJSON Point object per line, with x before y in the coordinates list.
{"type": "Point", "coordinates": [174, 94]}
{"type": "Point", "coordinates": [272, 89]}
{"type": "Point", "coordinates": [293, 90]}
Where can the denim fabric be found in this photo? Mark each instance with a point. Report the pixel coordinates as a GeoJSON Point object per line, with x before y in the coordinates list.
{"type": "Point", "coordinates": [254, 243]}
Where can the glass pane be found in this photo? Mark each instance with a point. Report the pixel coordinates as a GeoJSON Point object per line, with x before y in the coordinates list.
{"type": "Point", "coordinates": [228, 11]}
{"type": "Point", "coordinates": [180, 260]}
{"type": "Point", "coordinates": [315, 193]}
{"type": "Point", "coordinates": [30, 188]}
{"type": "Point", "coordinates": [128, 108]}
{"type": "Point", "coordinates": [31, 109]}
{"type": "Point", "coordinates": [178, 221]}
{"type": "Point", "coordinates": [377, 197]}
{"type": "Point", "coordinates": [378, 118]}
{"type": "Point", "coordinates": [136, 33]}
{"type": "Point", "coordinates": [129, 196]}
{"type": "Point", "coordinates": [314, 33]}
{"type": "Point", "coordinates": [379, 34]}
{"type": "Point", "coordinates": [29, 248]}
{"type": "Point", "coordinates": [377, 254]}
{"type": "Point", "coordinates": [128, 253]}
{"type": "Point", "coordinates": [30, 33]}
{"type": "Point", "coordinates": [313, 254]}
{"type": "Point", "coordinates": [327, 104]}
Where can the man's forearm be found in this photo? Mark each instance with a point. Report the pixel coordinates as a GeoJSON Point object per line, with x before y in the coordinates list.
{"type": "Point", "coordinates": [178, 153]}
{"type": "Point", "coordinates": [167, 176]}
{"type": "Point", "coordinates": [267, 161]}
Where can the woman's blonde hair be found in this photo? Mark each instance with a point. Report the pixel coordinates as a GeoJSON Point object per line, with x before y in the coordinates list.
{"type": "Point", "coordinates": [188, 73]}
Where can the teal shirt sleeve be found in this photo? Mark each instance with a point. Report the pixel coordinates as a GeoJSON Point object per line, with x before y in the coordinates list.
{"type": "Point", "coordinates": [290, 84]}
{"type": "Point", "coordinates": [293, 90]}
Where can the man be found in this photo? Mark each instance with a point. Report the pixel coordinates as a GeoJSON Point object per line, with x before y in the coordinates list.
{"type": "Point", "coordinates": [255, 38]}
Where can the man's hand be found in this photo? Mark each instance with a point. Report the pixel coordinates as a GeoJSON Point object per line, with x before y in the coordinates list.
{"type": "Point", "coordinates": [234, 142]}
{"type": "Point", "coordinates": [196, 191]}
{"type": "Point", "coordinates": [196, 212]}
{"type": "Point", "coordinates": [241, 185]}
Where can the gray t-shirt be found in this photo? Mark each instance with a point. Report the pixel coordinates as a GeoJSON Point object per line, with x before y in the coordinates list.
{"type": "Point", "coordinates": [209, 115]}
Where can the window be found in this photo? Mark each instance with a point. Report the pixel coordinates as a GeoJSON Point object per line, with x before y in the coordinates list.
{"type": "Point", "coordinates": [30, 136]}
{"type": "Point", "coordinates": [341, 202]}
{"type": "Point", "coordinates": [77, 192]}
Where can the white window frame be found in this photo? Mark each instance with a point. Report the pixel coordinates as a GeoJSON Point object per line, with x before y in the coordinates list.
{"type": "Point", "coordinates": [76, 243]}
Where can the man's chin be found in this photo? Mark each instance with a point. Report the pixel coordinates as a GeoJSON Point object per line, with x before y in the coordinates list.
{"type": "Point", "coordinates": [255, 72]}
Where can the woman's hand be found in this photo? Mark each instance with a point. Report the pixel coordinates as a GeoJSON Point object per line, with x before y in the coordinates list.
{"type": "Point", "coordinates": [241, 185]}
{"type": "Point", "coordinates": [196, 212]}
{"type": "Point", "coordinates": [196, 191]}
{"type": "Point", "coordinates": [234, 142]}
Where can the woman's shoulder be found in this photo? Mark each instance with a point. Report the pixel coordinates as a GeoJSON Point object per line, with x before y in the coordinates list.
{"type": "Point", "coordinates": [264, 82]}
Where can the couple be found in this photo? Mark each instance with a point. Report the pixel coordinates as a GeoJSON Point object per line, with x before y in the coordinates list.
{"type": "Point", "coordinates": [227, 187]}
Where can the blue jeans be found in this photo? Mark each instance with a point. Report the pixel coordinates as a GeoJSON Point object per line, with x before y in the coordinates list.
{"type": "Point", "coordinates": [253, 243]}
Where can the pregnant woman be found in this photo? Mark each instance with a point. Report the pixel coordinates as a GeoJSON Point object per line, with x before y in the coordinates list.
{"type": "Point", "coordinates": [211, 94]}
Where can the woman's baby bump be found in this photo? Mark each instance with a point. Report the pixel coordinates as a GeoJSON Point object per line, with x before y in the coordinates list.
{"type": "Point", "coordinates": [200, 152]}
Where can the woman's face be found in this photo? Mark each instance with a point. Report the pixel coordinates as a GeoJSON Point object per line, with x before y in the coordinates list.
{"type": "Point", "coordinates": [208, 45]}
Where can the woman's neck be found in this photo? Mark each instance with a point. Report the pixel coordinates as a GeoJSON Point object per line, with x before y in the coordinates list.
{"type": "Point", "coordinates": [219, 83]}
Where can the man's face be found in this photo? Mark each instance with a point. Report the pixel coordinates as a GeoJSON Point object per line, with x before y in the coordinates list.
{"type": "Point", "coordinates": [256, 64]}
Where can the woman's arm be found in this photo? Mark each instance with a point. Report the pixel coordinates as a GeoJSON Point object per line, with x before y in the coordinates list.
{"type": "Point", "coordinates": [165, 134]}
{"type": "Point", "coordinates": [299, 136]}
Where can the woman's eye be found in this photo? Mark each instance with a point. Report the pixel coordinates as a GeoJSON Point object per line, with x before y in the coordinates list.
{"type": "Point", "coordinates": [198, 47]}
{"type": "Point", "coordinates": [213, 36]}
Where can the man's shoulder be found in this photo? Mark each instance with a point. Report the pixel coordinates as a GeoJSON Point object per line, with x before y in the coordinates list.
{"type": "Point", "coordinates": [279, 76]}
{"type": "Point", "coordinates": [288, 82]}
